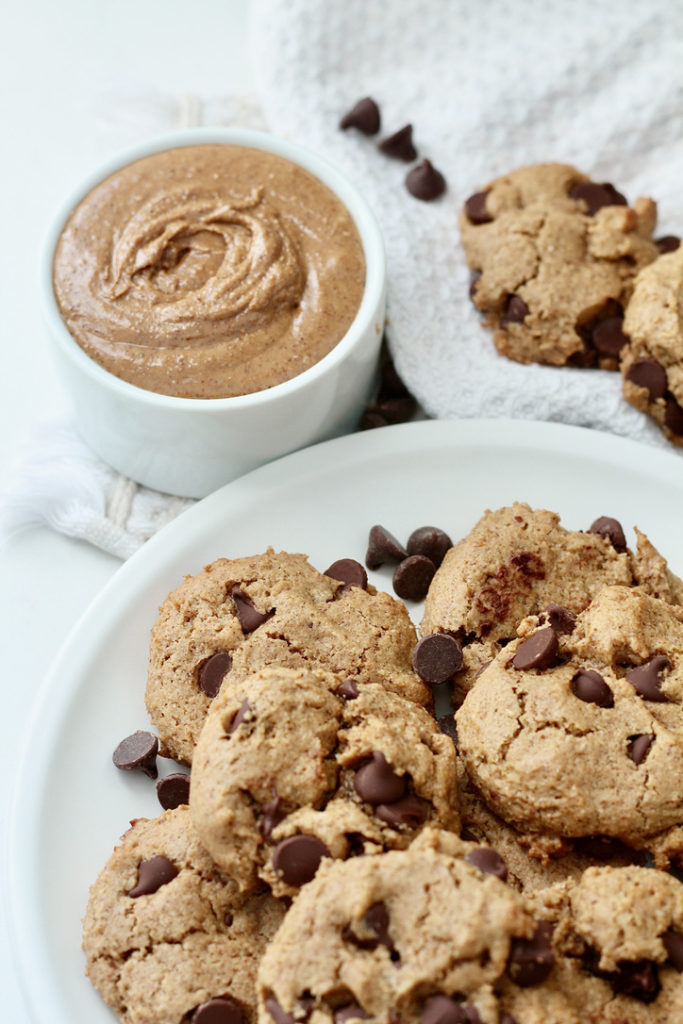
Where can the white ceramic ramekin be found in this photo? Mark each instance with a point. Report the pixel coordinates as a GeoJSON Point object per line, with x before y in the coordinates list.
{"type": "Point", "coordinates": [190, 446]}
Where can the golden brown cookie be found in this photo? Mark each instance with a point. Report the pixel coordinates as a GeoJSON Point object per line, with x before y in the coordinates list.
{"type": "Point", "coordinates": [555, 257]}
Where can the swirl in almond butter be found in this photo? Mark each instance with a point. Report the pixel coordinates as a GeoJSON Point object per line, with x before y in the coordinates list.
{"type": "Point", "coordinates": [209, 271]}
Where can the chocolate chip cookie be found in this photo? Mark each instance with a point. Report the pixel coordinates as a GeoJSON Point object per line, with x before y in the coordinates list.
{"type": "Point", "coordinates": [294, 766]}
{"type": "Point", "coordinates": [167, 937]}
{"type": "Point", "coordinates": [652, 362]}
{"type": "Point", "coordinates": [420, 934]}
{"type": "Point", "coordinates": [555, 256]}
{"type": "Point", "coordinates": [581, 733]}
{"type": "Point", "coordinates": [238, 615]}
{"type": "Point", "coordinates": [519, 561]}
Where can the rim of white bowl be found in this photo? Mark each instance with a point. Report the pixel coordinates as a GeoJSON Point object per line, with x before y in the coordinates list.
{"type": "Point", "coordinates": [361, 214]}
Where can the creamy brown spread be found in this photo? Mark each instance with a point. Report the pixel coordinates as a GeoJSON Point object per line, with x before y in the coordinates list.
{"type": "Point", "coordinates": [209, 271]}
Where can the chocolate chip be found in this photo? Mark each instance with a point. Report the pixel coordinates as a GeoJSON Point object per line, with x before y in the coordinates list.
{"type": "Point", "coordinates": [411, 811]}
{"type": "Point", "coordinates": [364, 116]}
{"type": "Point", "coordinates": [608, 337]}
{"type": "Point", "coordinates": [279, 1015]}
{"type": "Point", "coordinates": [306, 1002]}
{"type": "Point", "coordinates": [667, 243]}
{"type": "Point", "coordinates": [673, 944]}
{"type": "Point", "coordinates": [589, 686]}
{"type": "Point", "coordinates": [228, 918]}
{"type": "Point", "coordinates": [245, 710]}
{"type": "Point", "coordinates": [348, 689]}
{"type": "Point", "coordinates": [448, 727]}
{"type": "Point", "coordinates": [645, 679]}
{"type": "Point", "coordinates": [272, 815]}
{"type": "Point", "coordinates": [638, 980]}
{"type": "Point", "coordinates": [475, 208]}
{"type": "Point", "coordinates": [213, 671]}
{"type": "Point", "coordinates": [350, 572]}
{"type": "Point", "coordinates": [174, 790]}
{"type": "Point", "coordinates": [538, 651]}
{"type": "Point", "coordinates": [531, 960]}
{"type": "Point", "coordinates": [297, 858]}
{"type": "Point", "coordinates": [376, 919]}
{"type": "Point", "coordinates": [488, 861]}
{"type": "Point", "coordinates": [560, 619]}
{"type": "Point", "coordinates": [471, 1014]}
{"type": "Point", "coordinates": [377, 783]}
{"type": "Point", "coordinates": [442, 1010]}
{"type": "Point", "coordinates": [349, 1012]}
{"type": "Point", "coordinates": [474, 281]}
{"type": "Point", "coordinates": [221, 1010]}
{"type": "Point", "coordinates": [250, 618]}
{"type": "Point", "coordinates": [394, 410]}
{"type": "Point", "coordinates": [611, 530]}
{"type": "Point", "coordinates": [383, 547]}
{"type": "Point", "coordinates": [425, 182]}
{"type": "Point", "coordinates": [437, 657]}
{"type": "Point", "coordinates": [596, 196]}
{"type": "Point", "coordinates": [431, 542]}
{"type": "Point", "coordinates": [138, 752]}
{"type": "Point", "coordinates": [639, 746]}
{"type": "Point", "coordinates": [152, 874]}
{"type": "Point", "coordinates": [648, 373]}
{"type": "Point", "coordinates": [400, 144]}
{"type": "Point", "coordinates": [516, 310]}
{"type": "Point", "coordinates": [412, 577]}
{"type": "Point", "coordinates": [673, 416]}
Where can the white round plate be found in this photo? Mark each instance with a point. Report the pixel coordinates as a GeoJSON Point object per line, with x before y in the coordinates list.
{"type": "Point", "coordinates": [71, 804]}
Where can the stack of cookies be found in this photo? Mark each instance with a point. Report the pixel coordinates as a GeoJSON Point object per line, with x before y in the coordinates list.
{"type": "Point", "coordinates": [345, 855]}
{"type": "Point", "coordinates": [567, 273]}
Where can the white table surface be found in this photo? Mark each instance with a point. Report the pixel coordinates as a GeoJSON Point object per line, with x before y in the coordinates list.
{"type": "Point", "coordinates": [78, 81]}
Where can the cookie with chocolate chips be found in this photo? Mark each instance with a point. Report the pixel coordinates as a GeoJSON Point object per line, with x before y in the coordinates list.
{"type": "Point", "coordinates": [581, 734]}
{"type": "Point", "coordinates": [418, 935]}
{"type": "Point", "coordinates": [167, 937]}
{"type": "Point", "coordinates": [652, 362]}
{"type": "Point", "coordinates": [555, 256]}
{"type": "Point", "coordinates": [238, 615]}
{"type": "Point", "coordinates": [294, 767]}
{"type": "Point", "coordinates": [519, 561]}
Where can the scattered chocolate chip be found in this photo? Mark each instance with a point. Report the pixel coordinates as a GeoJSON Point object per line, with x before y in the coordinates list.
{"type": "Point", "coordinates": [667, 243]}
{"type": "Point", "coordinates": [138, 752]}
{"type": "Point", "coordinates": [538, 651]}
{"type": "Point", "coordinates": [436, 658]}
{"type": "Point", "coordinates": [279, 1015]}
{"type": "Point", "coordinates": [383, 547]}
{"type": "Point", "coordinates": [272, 815]}
{"type": "Point", "coordinates": [412, 577]}
{"type": "Point", "coordinates": [673, 416]}
{"type": "Point", "coordinates": [411, 811]}
{"type": "Point", "coordinates": [152, 874]}
{"type": "Point", "coordinates": [174, 790]}
{"type": "Point", "coordinates": [213, 671]}
{"type": "Point", "coordinates": [531, 960]}
{"type": "Point", "coordinates": [297, 858]}
{"type": "Point", "coordinates": [648, 373]}
{"type": "Point", "coordinates": [431, 542]}
{"type": "Point", "coordinates": [516, 310]}
{"type": "Point", "coordinates": [364, 116]}
{"type": "Point", "coordinates": [560, 619]}
{"type": "Point", "coordinates": [250, 618]}
{"type": "Point", "coordinates": [639, 746]}
{"type": "Point", "coordinates": [608, 337]}
{"type": "Point", "coordinates": [400, 144]}
{"type": "Point", "coordinates": [228, 918]}
{"type": "Point", "coordinates": [352, 1011]}
{"type": "Point", "coordinates": [377, 783]}
{"type": "Point", "coordinates": [425, 182]}
{"type": "Point", "coordinates": [448, 727]}
{"type": "Point", "coordinates": [376, 919]}
{"type": "Point", "coordinates": [221, 1010]}
{"type": "Point", "coordinates": [349, 572]}
{"type": "Point", "coordinates": [306, 1002]}
{"type": "Point", "coordinates": [443, 1010]}
{"type": "Point", "coordinates": [348, 689]}
{"type": "Point", "coordinates": [475, 208]}
{"type": "Point", "coordinates": [482, 668]}
{"type": "Point", "coordinates": [645, 679]}
{"type": "Point", "coordinates": [611, 530]}
{"type": "Point", "coordinates": [596, 196]}
{"type": "Point", "coordinates": [474, 281]}
{"type": "Point", "coordinates": [673, 944]}
{"type": "Point", "coordinates": [638, 980]}
{"type": "Point", "coordinates": [244, 710]}
{"type": "Point", "coordinates": [488, 861]}
{"type": "Point", "coordinates": [471, 1014]}
{"type": "Point", "coordinates": [589, 686]}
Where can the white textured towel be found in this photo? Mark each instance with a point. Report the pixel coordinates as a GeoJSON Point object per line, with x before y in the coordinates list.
{"type": "Point", "coordinates": [487, 86]}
